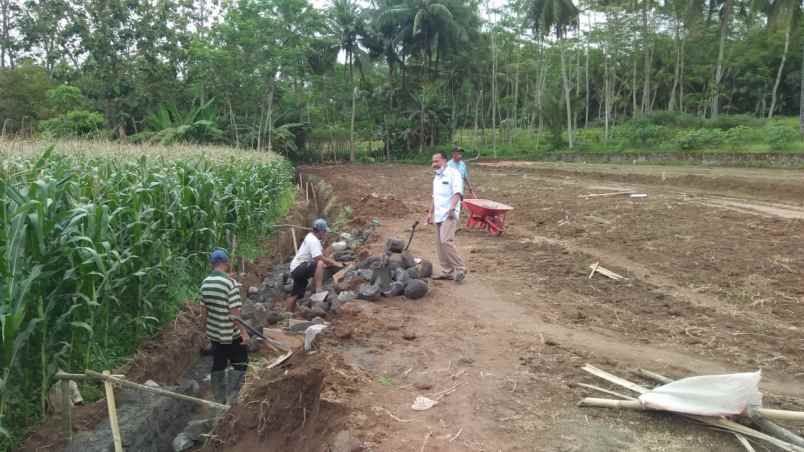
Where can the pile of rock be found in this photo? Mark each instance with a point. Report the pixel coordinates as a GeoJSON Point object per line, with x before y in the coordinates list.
{"type": "Point", "coordinates": [365, 277]}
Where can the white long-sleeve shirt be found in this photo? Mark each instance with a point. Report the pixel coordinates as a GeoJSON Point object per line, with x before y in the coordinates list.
{"type": "Point", "coordinates": [446, 183]}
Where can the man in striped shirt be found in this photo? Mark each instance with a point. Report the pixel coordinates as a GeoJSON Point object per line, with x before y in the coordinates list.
{"type": "Point", "coordinates": [221, 299]}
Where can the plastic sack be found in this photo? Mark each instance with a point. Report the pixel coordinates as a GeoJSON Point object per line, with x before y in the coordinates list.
{"type": "Point", "coordinates": [309, 335]}
{"type": "Point", "coordinates": [710, 395]}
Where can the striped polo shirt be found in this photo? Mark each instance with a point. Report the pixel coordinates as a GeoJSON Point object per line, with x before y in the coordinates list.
{"type": "Point", "coordinates": [219, 294]}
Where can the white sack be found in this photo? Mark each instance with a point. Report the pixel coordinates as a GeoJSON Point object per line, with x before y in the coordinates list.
{"type": "Point", "coordinates": [709, 395]}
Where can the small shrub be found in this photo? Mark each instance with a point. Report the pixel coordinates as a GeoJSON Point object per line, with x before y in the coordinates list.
{"type": "Point", "coordinates": [642, 133]}
{"type": "Point", "coordinates": [726, 122]}
{"type": "Point", "coordinates": [675, 119]}
{"type": "Point", "coordinates": [741, 136]}
{"type": "Point", "coordinates": [699, 138]}
{"type": "Point", "coordinates": [76, 123]}
{"type": "Point", "coordinates": [779, 137]}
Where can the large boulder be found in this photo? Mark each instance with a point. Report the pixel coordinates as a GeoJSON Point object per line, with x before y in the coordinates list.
{"type": "Point", "coordinates": [415, 289]}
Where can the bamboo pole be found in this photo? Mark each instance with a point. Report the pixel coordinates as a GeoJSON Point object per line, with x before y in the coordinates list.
{"type": "Point", "coordinates": [159, 391]}
{"type": "Point", "coordinates": [80, 377]}
{"type": "Point", "coordinates": [111, 406]}
{"type": "Point", "coordinates": [67, 409]}
{"type": "Point", "coordinates": [720, 423]}
{"type": "Point", "coordinates": [636, 405]}
{"type": "Point", "coordinates": [304, 228]}
{"type": "Point", "coordinates": [295, 242]}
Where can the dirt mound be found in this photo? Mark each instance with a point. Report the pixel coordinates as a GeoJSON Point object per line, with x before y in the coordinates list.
{"type": "Point", "coordinates": [165, 357]}
{"type": "Point", "coordinates": [281, 409]}
{"type": "Point", "coordinates": [375, 205]}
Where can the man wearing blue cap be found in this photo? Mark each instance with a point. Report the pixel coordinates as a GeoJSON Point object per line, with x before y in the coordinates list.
{"type": "Point", "coordinates": [220, 296]}
{"type": "Point", "coordinates": [309, 262]}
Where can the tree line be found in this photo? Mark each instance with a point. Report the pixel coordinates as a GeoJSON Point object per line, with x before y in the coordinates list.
{"type": "Point", "coordinates": [390, 76]}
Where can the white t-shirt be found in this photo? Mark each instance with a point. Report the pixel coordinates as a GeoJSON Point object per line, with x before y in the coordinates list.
{"type": "Point", "coordinates": [446, 184]}
{"type": "Point", "coordinates": [309, 250]}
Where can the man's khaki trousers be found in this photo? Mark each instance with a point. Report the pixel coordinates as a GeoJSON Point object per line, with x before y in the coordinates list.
{"type": "Point", "coordinates": [448, 256]}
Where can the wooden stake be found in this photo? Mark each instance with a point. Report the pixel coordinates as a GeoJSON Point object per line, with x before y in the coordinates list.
{"type": "Point", "coordinates": [67, 409]}
{"type": "Point", "coordinates": [307, 192]}
{"type": "Point", "coordinates": [112, 408]}
{"type": "Point", "coordinates": [160, 391]}
{"type": "Point", "coordinates": [295, 243]}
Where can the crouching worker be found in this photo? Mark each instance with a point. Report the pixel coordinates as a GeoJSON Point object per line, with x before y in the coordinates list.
{"type": "Point", "coordinates": [220, 296]}
{"type": "Point", "coordinates": [309, 262]}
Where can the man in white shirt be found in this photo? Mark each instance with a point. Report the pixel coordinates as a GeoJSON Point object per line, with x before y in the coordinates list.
{"type": "Point", "coordinates": [444, 213]}
{"type": "Point", "coordinates": [309, 262]}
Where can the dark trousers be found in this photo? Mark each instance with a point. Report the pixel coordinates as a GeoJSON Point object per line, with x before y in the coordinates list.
{"type": "Point", "coordinates": [223, 354]}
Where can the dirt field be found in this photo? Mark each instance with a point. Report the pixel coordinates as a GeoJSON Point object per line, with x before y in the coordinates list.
{"type": "Point", "coordinates": [713, 261]}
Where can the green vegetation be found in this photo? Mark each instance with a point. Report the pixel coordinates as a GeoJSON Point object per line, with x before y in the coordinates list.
{"type": "Point", "coordinates": [98, 248]}
{"type": "Point", "coordinates": [392, 78]}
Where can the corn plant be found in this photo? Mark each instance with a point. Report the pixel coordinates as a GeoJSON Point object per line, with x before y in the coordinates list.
{"type": "Point", "coordinates": [90, 246]}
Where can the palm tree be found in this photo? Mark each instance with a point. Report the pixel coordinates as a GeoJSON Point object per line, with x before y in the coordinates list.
{"type": "Point", "coordinates": [424, 25]}
{"type": "Point", "coordinates": [347, 22]}
{"type": "Point", "coordinates": [556, 16]}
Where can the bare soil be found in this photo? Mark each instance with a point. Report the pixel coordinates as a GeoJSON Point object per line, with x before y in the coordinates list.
{"type": "Point", "coordinates": [713, 264]}
{"type": "Point", "coordinates": [709, 289]}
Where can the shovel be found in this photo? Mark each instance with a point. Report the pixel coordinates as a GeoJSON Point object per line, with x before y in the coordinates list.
{"type": "Point", "coordinates": [279, 345]}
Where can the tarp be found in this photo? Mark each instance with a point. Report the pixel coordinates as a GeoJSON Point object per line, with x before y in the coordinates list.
{"type": "Point", "coordinates": [709, 395]}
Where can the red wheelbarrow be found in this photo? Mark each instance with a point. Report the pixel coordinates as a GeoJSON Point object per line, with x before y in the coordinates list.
{"type": "Point", "coordinates": [486, 214]}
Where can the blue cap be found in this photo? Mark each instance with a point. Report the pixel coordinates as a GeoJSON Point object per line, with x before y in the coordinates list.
{"type": "Point", "coordinates": [320, 225]}
{"type": "Point", "coordinates": [218, 256]}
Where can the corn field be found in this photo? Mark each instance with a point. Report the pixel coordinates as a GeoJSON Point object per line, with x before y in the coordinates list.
{"type": "Point", "coordinates": [94, 246]}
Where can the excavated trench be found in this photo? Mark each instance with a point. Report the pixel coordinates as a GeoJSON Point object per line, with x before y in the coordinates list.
{"type": "Point", "coordinates": [280, 409]}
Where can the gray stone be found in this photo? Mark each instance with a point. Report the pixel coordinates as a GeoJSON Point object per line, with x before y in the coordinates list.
{"type": "Point", "coordinates": [347, 237]}
{"type": "Point", "coordinates": [425, 269]}
{"type": "Point", "coordinates": [395, 290]}
{"type": "Point", "coordinates": [413, 272]}
{"type": "Point", "coordinates": [407, 260]}
{"type": "Point", "coordinates": [346, 295]}
{"type": "Point", "coordinates": [253, 291]}
{"type": "Point", "coordinates": [319, 296]}
{"type": "Point", "coordinates": [288, 286]}
{"type": "Point", "coordinates": [319, 309]}
{"type": "Point", "coordinates": [198, 427]}
{"type": "Point", "coordinates": [394, 245]}
{"type": "Point", "coordinates": [182, 442]}
{"type": "Point", "coordinates": [345, 256]}
{"type": "Point", "coordinates": [338, 247]}
{"type": "Point", "coordinates": [366, 274]}
{"type": "Point", "coordinates": [401, 275]}
{"type": "Point", "coordinates": [368, 263]}
{"type": "Point", "coordinates": [189, 387]}
{"type": "Point", "coordinates": [415, 289]}
{"type": "Point", "coordinates": [369, 292]}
